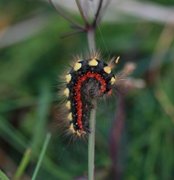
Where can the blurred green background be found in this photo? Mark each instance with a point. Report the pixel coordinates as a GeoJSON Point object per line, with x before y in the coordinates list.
{"type": "Point", "coordinates": [134, 138]}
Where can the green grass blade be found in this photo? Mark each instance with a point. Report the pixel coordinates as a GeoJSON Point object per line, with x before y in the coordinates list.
{"type": "Point", "coordinates": [42, 114]}
{"type": "Point", "coordinates": [55, 170]}
{"type": "Point", "coordinates": [13, 136]}
{"type": "Point", "coordinates": [41, 156]}
{"type": "Point", "coordinates": [25, 161]}
{"type": "Point", "coordinates": [3, 176]}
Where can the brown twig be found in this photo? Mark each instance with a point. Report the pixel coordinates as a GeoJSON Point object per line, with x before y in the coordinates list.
{"type": "Point", "coordinates": [95, 21]}
{"type": "Point", "coordinates": [64, 15]}
{"type": "Point", "coordinates": [68, 34]}
{"type": "Point", "coordinates": [82, 13]}
{"type": "Point", "coordinates": [115, 136]}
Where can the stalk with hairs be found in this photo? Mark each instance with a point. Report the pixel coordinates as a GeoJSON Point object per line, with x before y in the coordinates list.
{"type": "Point", "coordinates": [91, 71]}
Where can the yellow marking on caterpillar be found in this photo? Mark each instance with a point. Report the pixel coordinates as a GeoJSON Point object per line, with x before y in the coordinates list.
{"type": "Point", "coordinates": [107, 69]}
{"type": "Point", "coordinates": [71, 128]}
{"type": "Point", "coordinates": [77, 66]}
{"type": "Point", "coordinates": [66, 92]}
{"type": "Point", "coordinates": [78, 133]}
{"type": "Point", "coordinates": [68, 78]}
{"type": "Point", "coordinates": [70, 116]}
{"type": "Point", "coordinates": [68, 105]}
{"type": "Point", "coordinates": [113, 80]}
{"type": "Point", "coordinates": [93, 62]}
{"type": "Point", "coordinates": [117, 60]}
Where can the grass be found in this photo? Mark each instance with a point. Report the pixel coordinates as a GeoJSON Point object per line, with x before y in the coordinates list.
{"type": "Point", "coordinates": [23, 164]}
{"type": "Point", "coordinates": [41, 156]}
{"type": "Point", "coordinates": [3, 176]}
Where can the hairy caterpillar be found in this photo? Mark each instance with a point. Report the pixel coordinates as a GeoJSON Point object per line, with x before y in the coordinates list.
{"type": "Point", "coordinates": [87, 80]}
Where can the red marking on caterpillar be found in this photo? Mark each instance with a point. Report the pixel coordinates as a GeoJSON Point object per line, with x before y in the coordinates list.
{"type": "Point", "coordinates": [86, 81]}
{"type": "Point", "coordinates": [78, 93]}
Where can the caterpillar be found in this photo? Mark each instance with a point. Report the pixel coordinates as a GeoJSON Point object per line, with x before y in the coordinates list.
{"type": "Point", "coordinates": [87, 80]}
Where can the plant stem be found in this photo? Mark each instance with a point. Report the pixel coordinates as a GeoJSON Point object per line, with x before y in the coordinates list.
{"type": "Point", "coordinates": [91, 145]}
{"type": "Point", "coordinates": [92, 120]}
{"type": "Point", "coordinates": [91, 39]}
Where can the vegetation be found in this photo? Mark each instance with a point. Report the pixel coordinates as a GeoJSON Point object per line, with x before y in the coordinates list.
{"type": "Point", "coordinates": [134, 133]}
